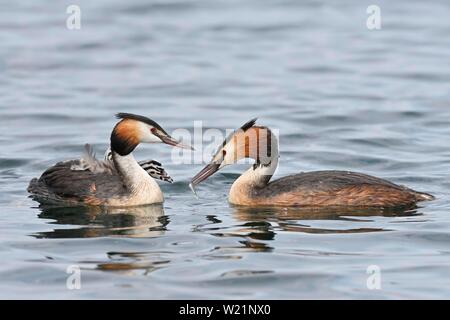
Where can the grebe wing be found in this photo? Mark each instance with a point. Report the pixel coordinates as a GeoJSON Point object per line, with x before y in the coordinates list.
{"type": "Point", "coordinates": [326, 181]}
{"type": "Point", "coordinates": [338, 188]}
{"type": "Point", "coordinates": [89, 162]}
{"type": "Point", "coordinates": [61, 182]}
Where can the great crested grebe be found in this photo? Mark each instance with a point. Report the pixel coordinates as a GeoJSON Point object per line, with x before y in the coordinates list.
{"type": "Point", "coordinates": [122, 182]}
{"type": "Point", "coordinates": [310, 189]}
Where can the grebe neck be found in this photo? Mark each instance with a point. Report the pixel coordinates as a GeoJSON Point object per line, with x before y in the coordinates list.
{"type": "Point", "coordinates": [136, 180]}
{"type": "Point", "coordinates": [258, 175]}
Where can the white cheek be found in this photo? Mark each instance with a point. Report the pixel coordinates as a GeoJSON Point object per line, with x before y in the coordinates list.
{"type": "Point", "coordinates": [146, 134]}
{"type": "Point", "coordinates": [226, 160]}
{"type": "Point", "coordinates": [151, 138]}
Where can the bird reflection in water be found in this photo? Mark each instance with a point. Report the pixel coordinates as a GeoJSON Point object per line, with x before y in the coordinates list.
{"type": "Point", "coordinates": [129, 262]}
{"type": "Point", "coordinates": [287, 219]}
{"type": "Point", "coordinates": [257, 226]}
{"type": "Point", "coordinates": [88, 222]}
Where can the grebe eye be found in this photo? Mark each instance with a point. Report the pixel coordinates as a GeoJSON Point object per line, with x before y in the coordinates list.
{"type": "Point", "coordinates": [224, 153]}
{"type": "Point", "coordinates": [153, 130]}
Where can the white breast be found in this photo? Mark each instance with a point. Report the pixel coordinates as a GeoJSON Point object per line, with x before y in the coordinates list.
{"type": "Point", "coordinates": [143, 188]}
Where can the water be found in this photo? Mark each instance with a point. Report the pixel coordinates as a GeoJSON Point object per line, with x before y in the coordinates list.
{"type": "Point", "coordinates": [343, 97]}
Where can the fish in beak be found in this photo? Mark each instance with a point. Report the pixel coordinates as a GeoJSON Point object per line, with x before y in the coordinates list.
{"type": "Point", "coordinates": [206, 172]}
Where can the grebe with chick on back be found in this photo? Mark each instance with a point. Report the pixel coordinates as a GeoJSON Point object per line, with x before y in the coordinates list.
{"type": "Point", "coordinates": [309, 189]}
{"type": "Point", "coordinates": [117, 181]}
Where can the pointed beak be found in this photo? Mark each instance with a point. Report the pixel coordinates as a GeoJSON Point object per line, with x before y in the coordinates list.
{"type": "Point", "coordinates": [206, 172]}
{"type": "Point", "coordinates": [172, 142]}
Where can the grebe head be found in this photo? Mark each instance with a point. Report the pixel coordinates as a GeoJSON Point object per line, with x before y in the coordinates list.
{"type": "Point", "coordinates": [134, 129]}
{"type": "Point", "coordinates": [249, 141]}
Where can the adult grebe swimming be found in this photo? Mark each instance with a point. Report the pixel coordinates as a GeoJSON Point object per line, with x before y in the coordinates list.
{"type": "Point", "coordinates": [311, 189]}
{"type": "Point", "coordinates": [118, 182]}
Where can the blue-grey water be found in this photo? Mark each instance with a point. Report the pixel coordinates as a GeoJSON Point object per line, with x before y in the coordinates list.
{"type": "Point", "coordinates": [342, 96]}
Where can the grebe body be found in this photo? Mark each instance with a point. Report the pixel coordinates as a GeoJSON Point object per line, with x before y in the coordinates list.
{"type": "Point", "coordinates": [310, 189]}
{"type": "Point", "coordinates": [119, 180]}
{"type": "Point", "coordinates": [326, 189]}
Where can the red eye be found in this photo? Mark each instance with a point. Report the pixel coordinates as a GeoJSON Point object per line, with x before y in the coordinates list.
{"type": "Point", "coordinates": [153, 130]}
{"type": "Point", "coordinates": [224, 153]}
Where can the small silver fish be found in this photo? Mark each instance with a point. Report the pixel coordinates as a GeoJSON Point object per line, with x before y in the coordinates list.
{"type": "Point", "coordinates": [193, 190]}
